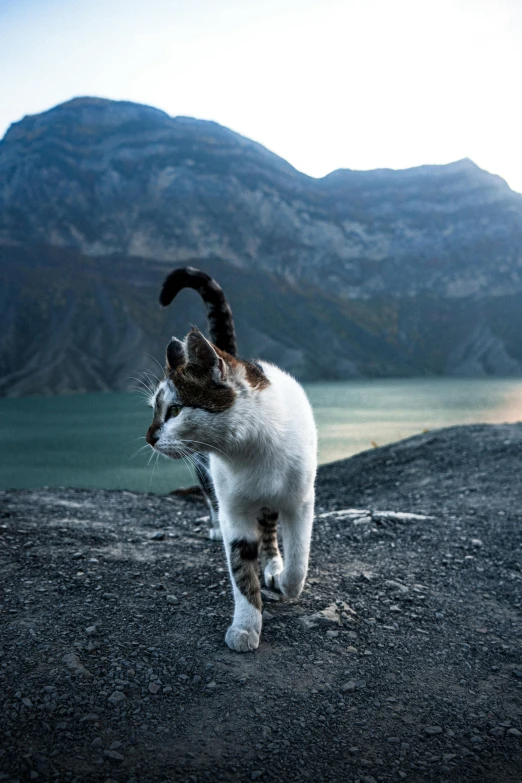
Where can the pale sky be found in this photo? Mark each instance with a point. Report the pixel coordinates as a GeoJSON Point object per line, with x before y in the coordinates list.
{"type": "Point", "coordinates": [357, 84]}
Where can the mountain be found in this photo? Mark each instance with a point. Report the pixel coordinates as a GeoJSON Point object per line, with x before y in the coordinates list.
{"type": "Point", "coordinates": [372, 273]}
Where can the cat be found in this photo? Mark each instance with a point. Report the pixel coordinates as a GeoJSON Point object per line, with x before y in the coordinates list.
{"type": "Point", "coordinates": [256, 425]}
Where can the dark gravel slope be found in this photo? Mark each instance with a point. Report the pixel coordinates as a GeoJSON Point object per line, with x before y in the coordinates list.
{"type": "Point", "coordinates": [113, 665]}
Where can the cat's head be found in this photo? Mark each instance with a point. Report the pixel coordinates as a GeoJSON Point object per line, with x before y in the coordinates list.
{"type": "Point", "coordinates": [200, 403]}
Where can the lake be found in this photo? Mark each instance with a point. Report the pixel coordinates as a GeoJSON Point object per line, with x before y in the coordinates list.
{"type": "Point", "coordinates": [91, 440]}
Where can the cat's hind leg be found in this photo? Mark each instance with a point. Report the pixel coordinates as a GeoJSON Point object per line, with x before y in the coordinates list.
{"type": "Point", "coordinates": [271, 560]}
{"type": "Point", "coordinates": [297, 531]}
{"type": "Point", "coordinates": [242, 555]}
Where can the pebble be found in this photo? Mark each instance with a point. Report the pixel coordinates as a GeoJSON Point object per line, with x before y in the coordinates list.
{"type": "Point", "coordinates": [154, 687]}
{"type": "Point", "coordinates": [113, 755]}
{"type": "Point", "coordinates": [90, 630]}
{"type": "Point", "coordinates": [497, 731]}
{"type": "Point", "coordinates": [116, 698]}
{"type": "Point", "coordinates": [432, 730]}
{"type": "Point", "coordinates": [514, 733]}
{"type": "Point", "coordinates": [158, 536]}
{"type": "Point", "coordinates": [96, 743]}
{"type": "Point", "coordinates": [332, 634]}
{"type": "Point", "coordinates": [269, 595]}
{"type": "Point", "coordinates": [256, 774]}
{"type": "Point", "coordinates": [171, 599]}
{"type": "Point", "coordinates": [348, 687]}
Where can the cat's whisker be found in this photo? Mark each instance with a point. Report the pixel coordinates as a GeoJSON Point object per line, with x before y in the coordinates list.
{"type": "Point", "coordinates": [202, 443]}
{"type": "Point", "coordinates": [142, 448]}
{"type": "Point", "coordinates": [144, 384]}
{"type": "Point", "coordinates": [147, 391]}
{"type": "Point", "coordinates": [159, 365]}
{"type": "Point", "coordinates": [153, 469]}
{"type": "Point", "coordinates": [184, 457]}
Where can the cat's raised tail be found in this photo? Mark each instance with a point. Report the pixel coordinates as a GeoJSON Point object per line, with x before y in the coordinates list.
{"type": "Point", "coordinates": [219, 314]}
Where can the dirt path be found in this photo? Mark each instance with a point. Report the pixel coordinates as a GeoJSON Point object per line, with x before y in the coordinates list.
{"type": "Point", "coordinates": [114, 609]}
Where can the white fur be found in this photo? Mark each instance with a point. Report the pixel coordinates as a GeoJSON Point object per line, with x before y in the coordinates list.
{"type": "Point", "coordinates": [262, 454]}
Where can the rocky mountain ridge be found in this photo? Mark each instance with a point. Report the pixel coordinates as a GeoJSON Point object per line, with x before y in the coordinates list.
{"type": "Point", "coordinates": [361, 273]}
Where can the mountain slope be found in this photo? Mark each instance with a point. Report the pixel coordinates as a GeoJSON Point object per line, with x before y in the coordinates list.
{"type": "Point", "coordinates": [360, 273]}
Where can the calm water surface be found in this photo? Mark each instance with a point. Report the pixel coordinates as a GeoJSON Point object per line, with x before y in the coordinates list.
{"type": "Point", "coordinates": [90, 440]}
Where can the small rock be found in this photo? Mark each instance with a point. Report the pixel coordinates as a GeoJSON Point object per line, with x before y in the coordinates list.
{"type": "Point", "coordinates": [90, 630]}
{"type": "Point", "coordinates": [77, 556]}
{"type": "Point", "coordinates": [326, 617]}
{"type": "Point", "coordinates": [171, 599]}
{"type": "Point", "coordinates": [26, 701]}
{"type": "Point", "coordinates": [256, 774]}
{"type": "Point", "coordinates": [269, 595]}
{"type": "Point", "coordinates": [154, 687]}
{"type": "Point", "coordinates": [477, 543]}
{"type": "Point", "coordinates": [116, 698]}
{"type": "Point", "coordinates": [267, 615]}
{"type": "Point", "coordinates": [91, 717]}
{"type": "Point", "coordinates": [517, 673]}
{"type": "Point", "coordinates": [113, 755]}
{"type": "Point", "coordinates": [332, 634]}
{"type": "Point", "coordinates": [497, 731]}
{"type": "Point", "coordinates": [158, 536]}
{"type": "Point", "coordinates": [348, 687]}
{"type": "Point", "coordinates": [351, 649]}
{"type": "Point", "coordinates": [431, 731]}
{"type": "Point", "coordinates": [96, 743]}
{"type": "Point", "coordinates": [449, 757]}
{"type": "Point", "coordinates": [476, 739]}
{"type": "Point", "coordinates": [514, 733]}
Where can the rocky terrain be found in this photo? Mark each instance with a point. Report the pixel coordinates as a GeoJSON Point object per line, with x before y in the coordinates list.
{"type": "Point", "coordinates": [400, 661]}
{"type": "Point", "coordinates": [358, 273]}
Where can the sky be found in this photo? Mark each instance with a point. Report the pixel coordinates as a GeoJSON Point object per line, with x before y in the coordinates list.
{"type": "Point", "coordinates": [326, 84]}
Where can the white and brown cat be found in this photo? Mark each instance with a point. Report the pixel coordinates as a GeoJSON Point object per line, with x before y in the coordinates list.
{"type": "Point", "coordinates": [256, 425]}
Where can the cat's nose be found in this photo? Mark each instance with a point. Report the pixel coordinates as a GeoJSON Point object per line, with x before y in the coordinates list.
{"type": "Point", "coordinates": [152, 436]}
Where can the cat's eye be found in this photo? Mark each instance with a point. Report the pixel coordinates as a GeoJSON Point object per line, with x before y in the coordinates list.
{"type": "Point", "coordinates": [172, 410]}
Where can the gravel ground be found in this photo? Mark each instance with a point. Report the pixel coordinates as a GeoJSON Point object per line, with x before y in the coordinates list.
{"type": "Point", "coordinates": [401, 660]}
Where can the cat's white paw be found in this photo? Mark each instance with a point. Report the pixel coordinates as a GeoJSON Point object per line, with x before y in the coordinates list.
{"type": "Point", "coordinates": [241, 640]}
{"type": "Point", "coordinates": [272, 572]}
{"type": "Point", "coordinates": [215, 534]}
{"type": "Point", "coordinates": [289, 585]}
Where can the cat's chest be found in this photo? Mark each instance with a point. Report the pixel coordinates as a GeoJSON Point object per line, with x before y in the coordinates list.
{"type": "Point", "coordinates": [254, 485]}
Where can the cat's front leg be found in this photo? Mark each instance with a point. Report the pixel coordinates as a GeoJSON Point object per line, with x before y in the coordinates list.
{"type": "Point", "coordinates": [242, 555]}
{"type": "Point", "coordinates": [297, 531]}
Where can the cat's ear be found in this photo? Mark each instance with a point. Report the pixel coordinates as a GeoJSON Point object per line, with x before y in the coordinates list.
{"type": "Point", "coordinates": [175, 354]}
{"type": "Point", "coordinates": [201, 352]}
